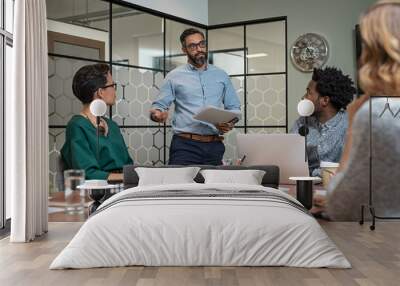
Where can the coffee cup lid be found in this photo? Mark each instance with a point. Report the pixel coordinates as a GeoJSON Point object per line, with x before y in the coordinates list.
{"type": "Point", "coordinates": [96, 185]}
{"type": "Point", "coordinates": [325, 164]}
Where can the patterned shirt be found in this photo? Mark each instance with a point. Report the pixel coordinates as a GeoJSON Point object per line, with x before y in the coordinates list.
{"type": "Point", "coordinates": [191, 90]}
{"type": "Point", "coordinates": [325, 142]}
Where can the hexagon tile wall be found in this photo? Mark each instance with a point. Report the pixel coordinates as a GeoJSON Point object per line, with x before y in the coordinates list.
{"type": "Point", "coordinates": [266, 100]}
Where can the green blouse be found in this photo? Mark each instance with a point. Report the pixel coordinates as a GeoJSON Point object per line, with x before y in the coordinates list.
{"type": "Point", "coordinates": [79, 150]}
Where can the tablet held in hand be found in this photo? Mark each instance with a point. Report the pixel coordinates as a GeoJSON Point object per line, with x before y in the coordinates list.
{"type": "Point", "coordinates": [215, 115]}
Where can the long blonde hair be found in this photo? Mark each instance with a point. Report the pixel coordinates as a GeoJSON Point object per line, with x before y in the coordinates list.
{"type": "Point", "coordinates": [380, 58]}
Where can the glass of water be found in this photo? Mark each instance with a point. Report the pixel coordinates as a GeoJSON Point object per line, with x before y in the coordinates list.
{"type": "Point", "coordinates": [74, 198]}
{"type": "Point", "coordinates": [227, 162]}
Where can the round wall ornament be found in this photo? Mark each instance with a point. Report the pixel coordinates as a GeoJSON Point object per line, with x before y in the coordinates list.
{"type": "Point", "coordinates": [309, 51]}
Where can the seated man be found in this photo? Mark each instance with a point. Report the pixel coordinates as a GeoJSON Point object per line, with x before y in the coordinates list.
{"type": "Point", "coordinates": [330, 91]}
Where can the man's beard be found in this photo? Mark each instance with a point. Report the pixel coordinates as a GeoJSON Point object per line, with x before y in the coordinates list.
{"type": "Point", "coordinates": [317, 110]}
{"type": "Point", "coordinates": [199, 59]}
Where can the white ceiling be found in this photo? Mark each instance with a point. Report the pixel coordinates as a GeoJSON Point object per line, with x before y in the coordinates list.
{"type": "Point", "coordinates": [194, 10]}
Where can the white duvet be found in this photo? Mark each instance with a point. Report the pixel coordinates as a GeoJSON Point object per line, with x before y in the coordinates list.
{"type": "Point", "coordinates": [208, 230]}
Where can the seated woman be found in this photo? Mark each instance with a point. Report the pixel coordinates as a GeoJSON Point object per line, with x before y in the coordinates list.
{"type": "Point", "coordinates": [374, 121]}
{"type": "Point", "coordinates": [80, 147]}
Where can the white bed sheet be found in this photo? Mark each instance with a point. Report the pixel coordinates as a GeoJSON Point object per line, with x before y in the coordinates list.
{"type": "Point", "coordinates": [200, 232]}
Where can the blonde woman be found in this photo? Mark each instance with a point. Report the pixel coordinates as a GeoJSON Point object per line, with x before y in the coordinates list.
{"type": "Point", "coordinates": [380, 79]}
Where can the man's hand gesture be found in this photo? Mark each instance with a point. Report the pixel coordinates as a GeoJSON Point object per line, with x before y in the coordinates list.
{"type": "Point", "coordinates": [158, 115]}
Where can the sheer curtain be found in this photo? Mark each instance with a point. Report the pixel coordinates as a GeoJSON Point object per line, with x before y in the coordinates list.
{"type": "Point", "coordinates": [27, 123]}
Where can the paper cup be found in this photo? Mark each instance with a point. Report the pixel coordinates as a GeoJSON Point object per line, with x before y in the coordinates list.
{"type": "Point", "coordinates": [328, 170]}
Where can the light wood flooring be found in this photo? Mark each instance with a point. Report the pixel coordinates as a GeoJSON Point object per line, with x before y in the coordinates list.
{"type": "Point", "coordinates": [375, 257]}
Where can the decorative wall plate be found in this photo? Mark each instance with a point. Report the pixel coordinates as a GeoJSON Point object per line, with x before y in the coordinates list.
{"type": "Point", "coordinates": [309, 51]}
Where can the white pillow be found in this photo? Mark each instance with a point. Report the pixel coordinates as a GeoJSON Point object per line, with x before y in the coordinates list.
{"type": "Point", "coordinates": [248, 177]}
{"type": "Point", "coordinates": [166, 176]}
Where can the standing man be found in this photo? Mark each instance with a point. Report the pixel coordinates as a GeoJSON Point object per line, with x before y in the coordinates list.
{"type": "Point", "coordinates": [330, 91]}
{"type": "Point", "coordinates": [191, 87]}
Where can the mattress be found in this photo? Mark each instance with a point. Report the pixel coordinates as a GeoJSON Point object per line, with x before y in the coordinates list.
{"type": "Point", "coordinates": [201, 225]}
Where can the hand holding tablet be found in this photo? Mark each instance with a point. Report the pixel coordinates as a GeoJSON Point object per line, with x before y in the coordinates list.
{"type": "Point", "coordinates": [213, 115]}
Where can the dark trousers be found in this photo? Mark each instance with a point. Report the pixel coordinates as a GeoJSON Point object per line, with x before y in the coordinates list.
{"type": "Point", "coordinates": [189, 152]}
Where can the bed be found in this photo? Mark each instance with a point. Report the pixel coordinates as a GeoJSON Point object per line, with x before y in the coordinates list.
{"type": "Point", "coordinates": [197, 224]}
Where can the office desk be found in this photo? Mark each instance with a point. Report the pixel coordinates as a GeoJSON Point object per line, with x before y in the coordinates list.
{"type": "Point", "coordinates": [57, 201]}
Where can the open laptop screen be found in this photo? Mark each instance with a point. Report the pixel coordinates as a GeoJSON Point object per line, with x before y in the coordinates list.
{"type": "Point", "coordinates": [287, 151]}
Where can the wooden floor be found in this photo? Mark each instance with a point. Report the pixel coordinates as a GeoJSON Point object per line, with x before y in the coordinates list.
{"type": "Point", "coordinates": [375, 256]}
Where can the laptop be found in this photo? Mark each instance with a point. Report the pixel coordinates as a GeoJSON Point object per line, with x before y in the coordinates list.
{"type": "Point", "coordinates": [283, 150]}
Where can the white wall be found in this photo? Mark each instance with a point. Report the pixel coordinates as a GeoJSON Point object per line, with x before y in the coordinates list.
{"type": "Point", "coordinates": [194, 10]}
{"type": "Point", "coordinates": [335, 19]}
{"type": "Point", "coordinates": [79, 31]}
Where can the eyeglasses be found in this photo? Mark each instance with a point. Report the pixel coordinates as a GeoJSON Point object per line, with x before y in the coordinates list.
{"type": "Point", "coordinates": [193, 46]}
{"type": "Point", "coordinates": [114, 85]}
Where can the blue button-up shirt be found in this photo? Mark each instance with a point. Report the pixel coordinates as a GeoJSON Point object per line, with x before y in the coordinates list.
{"type": "Point", "coordinates": [191, 90]}
{"type": "Point", "coordinates": [325, 142]}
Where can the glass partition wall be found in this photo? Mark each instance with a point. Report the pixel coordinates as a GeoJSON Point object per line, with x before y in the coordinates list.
{"type": "Point", "coordinates": [6, 64]}
{"type": "Point", "coordinates": [254, 55]}
{"type": "Point", "coordinates": [142, 46]}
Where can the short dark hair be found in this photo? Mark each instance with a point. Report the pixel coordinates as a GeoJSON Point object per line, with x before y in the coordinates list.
{"type": "Point", "coordinates": [333, 83]}
{"type": "Point", "coordinates": [188, 32]}
{"type": "Point", "coordinates": [88, 79]}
